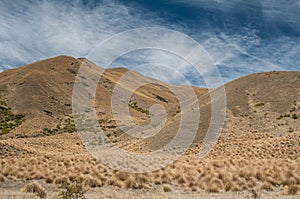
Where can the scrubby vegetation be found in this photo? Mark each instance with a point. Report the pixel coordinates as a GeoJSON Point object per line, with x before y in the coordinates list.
{"type": "Point", "coordinates": [36, 188]}
{"type": "Point", "coordinates": [260, 104]}
{"type": "Point", "coordinates": [293, 189]}
{"type": "Point", "coordinates": [160, 98]}
{"type": "Point", "coordinates": [107, 124]}
{"type": "Point", "coordinates": [294, 116]}
{"type": "Point", "coordinates": [8, 120]}
{"type": "Point", "coordinates": [47, 112]}
{"type": "Point", "coordinates": [292, 113]}
{"type": "Point", "coordinates": [258, 161]}
{"type": "Point", "coordinates": [73, 190]}
{"type": "Point", "coordinates": [137, 108]}
{"type": "Point", "coordinates": [67, 125]}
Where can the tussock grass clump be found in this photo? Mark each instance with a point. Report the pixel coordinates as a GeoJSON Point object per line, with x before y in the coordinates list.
{"type": "Point", "coordinates": [167, 188]}
{"type": "Point", "coordinates": [2, 179]}
{"type": "Point", "coordinates": [118, 184]}
{"type": "Point", "coordinates": [292, 189]}
{"type": "Point", "coordinates": [165, 178]}
{"type": "Point", "coordinates": [259, 176]}
{"type": "Point", "coordinates": [255, 194]}
{"type": "Point", "coordinates": [92, 182]}
{"type": "Point", "coordinates": [134, 183]}
{"type": "Point", "coordinates": [121, 175]}
{"type": "Point", "coordinates": [49, 179]}
{"type": "Point", "coordinates": [61, 180]}
{"type": "Point", "coordinates": [36, 188]}
{"type": "Point", "coordinates": [267, 186]}
{"type": "Point", "coordinates": [212, 189]}
{"type": "Point", "coordinates": [181, 180]}
{"type": "Point", "coordinates": [130, 183]}
{"type": "Point", "coordinates": [228, 186]}
{"type": "Point", "coordinates": [214, 186]}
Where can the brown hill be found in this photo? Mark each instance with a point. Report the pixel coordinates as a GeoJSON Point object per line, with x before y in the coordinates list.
{"type": "Point", "coordinates": [264, 102]}
{"type": "Point", "coordinates": [257, 153]}
{"type": "Point", "coordinates": [42, 92]}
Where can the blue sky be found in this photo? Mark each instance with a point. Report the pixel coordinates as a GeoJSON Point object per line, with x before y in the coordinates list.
{"type": "Point", "coordinates": [242, 37]}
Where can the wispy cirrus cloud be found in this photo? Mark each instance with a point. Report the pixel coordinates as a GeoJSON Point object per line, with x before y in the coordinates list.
{"type": "Point", "coordinates": [246, 37]}
{"type": "Point", "coordinates": [241, 37]}
{"type": "Point", "coordinates": [33, 30]}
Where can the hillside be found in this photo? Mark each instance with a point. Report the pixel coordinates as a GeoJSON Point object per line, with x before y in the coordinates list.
{"type": "Point", "coordinates": [265, 103]}
{"type": "Point", "coordinates": [42, 92]}
{"type": "Point", "coordinates": [257, 152]}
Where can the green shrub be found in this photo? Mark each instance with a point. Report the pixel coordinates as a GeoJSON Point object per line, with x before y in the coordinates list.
{"type": "Point", "coordinates": [161, 98]}
{"type": "Point", "coordinates": [260, 104]}
{"type": "Point", "coordinates": [73, 190]}
{"type": "Point", "coordinates": [8, 120]}
{"type": "Point", "coordinates": [48, 112]}
{"type": "Point", "coordinates": [136, 107]}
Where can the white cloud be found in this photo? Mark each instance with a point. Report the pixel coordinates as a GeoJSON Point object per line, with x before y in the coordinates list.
{"type": "Point", "coordinates": [33, 30]}
{"type": "Point", "coordinates": [163, 48]}
{"type": "Point", "coordinates": [41, 29]}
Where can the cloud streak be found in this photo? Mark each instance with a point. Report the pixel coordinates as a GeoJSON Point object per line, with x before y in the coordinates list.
{"type": "Point", "coordinates": [40, 29]}
{"type": "Point", "coordinates": [241, 37]}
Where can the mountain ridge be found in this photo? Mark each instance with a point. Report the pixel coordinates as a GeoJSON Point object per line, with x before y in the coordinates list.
{"type": "Point", "coordinates": [256, 153]}
{"type": "Point", "coordinates": [43, 89]}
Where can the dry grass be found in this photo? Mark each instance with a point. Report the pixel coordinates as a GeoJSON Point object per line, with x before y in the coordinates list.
{"type": "Point", "coordinates": [267, 186]}
{"type": "Point", "coordinates": [36, 188]}
{"type": "Point", "coordinates": [221, 170]}
{"type": "Point", "coordinates": [247, 156]}
{"type": "Point", "coordinates": [167, 188]}
{"type": "Point", "coordinates": [293, 189]}
{"type": "Point", "coordinates": [2, 179]}
{"type": "Point", "coordinates": [92, 182]}
{"type": "Point", "coordinates": [238, 175]}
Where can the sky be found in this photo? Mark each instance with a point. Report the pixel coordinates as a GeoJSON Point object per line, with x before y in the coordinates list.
{"type": "Point", "coordinates": [241, 37]}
